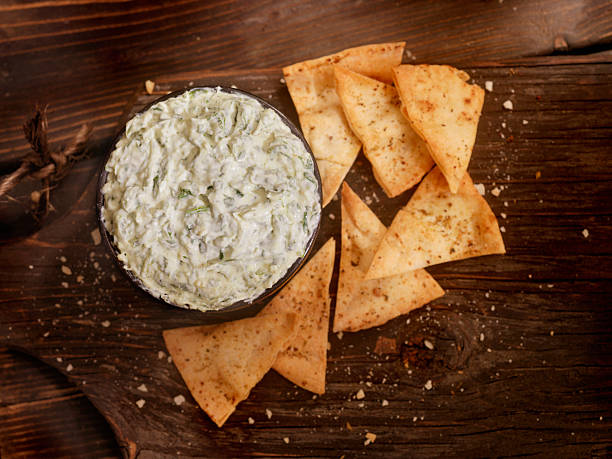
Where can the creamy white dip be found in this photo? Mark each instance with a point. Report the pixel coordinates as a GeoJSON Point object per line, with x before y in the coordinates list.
{"type": "Point", "coordinates": [209, 198]}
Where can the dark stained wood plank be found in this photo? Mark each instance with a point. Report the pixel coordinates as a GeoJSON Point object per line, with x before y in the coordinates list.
{"type": "Point", "coordinates": [31, 397]}
{"type": "Point", "coordinates": [521, 363]}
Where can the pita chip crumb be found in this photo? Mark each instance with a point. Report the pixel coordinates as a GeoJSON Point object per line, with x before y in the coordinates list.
{"type": "Point", "coordinates": [444, 110]}
{"type": "Point", "coordinates": [149, 86]}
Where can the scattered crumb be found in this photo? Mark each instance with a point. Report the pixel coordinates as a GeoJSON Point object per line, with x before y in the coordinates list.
{"type": "Point", "coordinates": [505, 203]}
{"type": "Point", "coordinates": [161, 355]}
{"type": "Point", "coordinates": [585, 233]}
{"type": "Point", "coordinates": [149, 86]}
{"type": "Point", "coordinates": [59, 359]}
{"type": "Point", "coordinates": [339, 335]}
{"type": "Point", "coordinates": [492, 308]}
{"type": "Point", "coordinates": [360, 395]}
{"type": "Point", "coordinates": [65, 284]}
{"type": "Point", "coordinates": [525, 122]}
{"type": "Point", "coordinates": [489, 86]}
{"type": "Point", "coordinates": [488, 349]}
{"type": "Point", "coordinates": [428, 345]}
{"type": "Point", "coordinates": [482, 337]}
{"type": "Point", "coordinates": [480, 188]}
{"type": "Point", "coordinates": [508, 105]}
{"type": "Point", "coordinates": [503, 215]}
{"type": "Point", "coordinates": [503, 125]}
{"type": "Point", "coordinates": [495, 191]}
{"type": "Point", "coordinates": [63, 259]}
{"type": "Point", "coordinates": [95, 236]}
{"type": "Point", "coordinates": [179, 400]}
{"type": "Point", "coordinates": [370, 438]}
{"type": "Point", "coordinates": [80, 279]}
{"type": "Point", "coordinates": [69, 368]}
{"type": "Point", "coordinates": [282, 81]}
{"type": "Point", "coordinates": [169, 359]}
{"type": "Point", "coordinates": [234, 86]}
{"type": "Point", "coordinates": [46, 334]}
{"type": "Point", "coordinates": [332, 217]}
{"type": "Point", "coordinates": [286, 440]}
{"type": "Point", "coordinates": [414, 419]}
{"type": "Point", "coordinates": [552, 333]}
{"type": "Point", "coordinates": [106, 324]}
{"type": "Point", "coordinates": [142, 388]}
{"type": "Point", "coordinates": [502, 229]}
{"type": "Point", "coordinates": [140, 403]}
{"type": "Point", "coordinates": [268, 413]}
{"type": "Point", "coordinates": [538, 174]}
{"type": "Point", "coordinates": [349, 426]}
{"type": "Point", "coordinates": [31, 267]}
{"type": "Point", "coordinates": [428, 385]}
{"type": "Point", "coordinates": [251, 421]}
{"type": "Point", "coordinates": [385, 403]}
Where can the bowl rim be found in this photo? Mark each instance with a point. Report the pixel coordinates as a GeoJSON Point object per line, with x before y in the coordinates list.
{"type": "Point", "coordinates": [240, 306]}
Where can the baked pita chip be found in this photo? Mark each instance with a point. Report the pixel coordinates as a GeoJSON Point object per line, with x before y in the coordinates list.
{"type": "Point", "coordinates": [399, 157]}
{"type": "Point", "coordinates": [363, 303]}
{"type": "Point", "coordinates": [312, 89]}
{"type": "Point", "coordinates": [437, 226]}
{"type": "Point", "coordinates": [304, 361]}
{"type": "Point", "coordinates": [444, 110]}
{"type": "Point", "coordinates": [220, 364]}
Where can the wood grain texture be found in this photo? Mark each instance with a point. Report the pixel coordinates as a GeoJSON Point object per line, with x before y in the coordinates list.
{"type": "Point", "coordinates": [521, 363]}
{"type": "Point", "coordinates": [28, 423]}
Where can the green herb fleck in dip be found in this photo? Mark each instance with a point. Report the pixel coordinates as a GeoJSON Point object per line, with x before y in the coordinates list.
{"type": "Point", "coordinates": [209, 198]}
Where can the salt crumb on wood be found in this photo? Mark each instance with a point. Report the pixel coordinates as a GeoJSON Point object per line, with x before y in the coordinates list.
{"type": "Point", "coordinates": [66, 270]}
{"type": "Point", "coordinates": [585, 233]}
{"type": "Point", "coordinates": [480, 188]}
{"type": "Point", "coordinates": [179, 400]}
{"type": "Point", "coordinates": [106, 324]}
{"type": "Point", "coordinates": [142, 388]}
{"type": "Point", "coordinates": [489, 86]}
{"type": "Point", "coordinates": [370, 438]}
{"type": "Point", "coordinates": [69, 368]}
{"type": "Point", "coordinates": [428, 385]}
{"type": "Point", "coordinates": [508, 105]}
{"type": "Point", "coordinates": [286, 440]}
{"type": "Point", "coordinates": [360, 395]}
{"type": "Point", "coordinates": [95, 236]}
{"type": "Point", "coordinates": [268, 413]}
{"type": "Point", "coordinates": [140, 403]}
{"type": "Point", "coordinates": [161, 355]}
{"type": "Point", "coordinates": [251, 421]}
{"type": "Point", "coordinates": [385, 403]}
{"type": "Point", "coordinates": [495, 191]}
{"type": "Point", "coordinates": [149, 86]}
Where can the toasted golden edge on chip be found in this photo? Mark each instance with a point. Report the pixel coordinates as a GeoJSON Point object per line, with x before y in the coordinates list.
{"type": "Point", "coordinates": [220, 364]}
{"type": "Point", "coordinates": [399, 157]}
{"type": "Point", "coordinates": [437, 226]}
{"type": "Point", "coordinates": [312, 89]}
{"type": "Point", "coordinates": [444, 110]}
{"type": "Point", "coordinates": [304, 360]}
{"type": "Point", "coordinates": [361, 303]}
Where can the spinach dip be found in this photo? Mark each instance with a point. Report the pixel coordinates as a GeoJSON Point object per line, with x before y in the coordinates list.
{"type": "Point", "coordinates": [210, 198]}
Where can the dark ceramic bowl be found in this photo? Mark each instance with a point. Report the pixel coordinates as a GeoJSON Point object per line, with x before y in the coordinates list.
{"type": "Point", "coordinates": [239, 308]}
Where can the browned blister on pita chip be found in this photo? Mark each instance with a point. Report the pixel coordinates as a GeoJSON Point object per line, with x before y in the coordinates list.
{"type": "Point", "coordinates": [312, 89]}
{"type": "Point", "coordinates": [437, 226]}
{"type": "Point", "coordinates": [304, 361]}
{"type": "Point", "coordinates": [444, 110]}
{"type": "Point", "coordinates": [220, 364]}
{"type": "Point", "coordinates": [399, 157]}
{"type": "Point", "coordinates": [364, 303]}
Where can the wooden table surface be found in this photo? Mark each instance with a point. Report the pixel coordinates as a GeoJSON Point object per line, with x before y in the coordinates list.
{"type": "Point", "coordinates": [541, 381]}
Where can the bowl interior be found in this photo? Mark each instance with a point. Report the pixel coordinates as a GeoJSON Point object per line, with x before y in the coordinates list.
{"type": "Point", "coordinates": [239, 308]}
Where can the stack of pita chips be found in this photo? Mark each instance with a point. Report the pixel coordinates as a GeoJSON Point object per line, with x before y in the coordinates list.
{"type": "Point", "coordinates": [364, 303]}
{"type": "Point", "coordinates": [312, 88]}
{"type": "Point", "coordinates": [220, 364]}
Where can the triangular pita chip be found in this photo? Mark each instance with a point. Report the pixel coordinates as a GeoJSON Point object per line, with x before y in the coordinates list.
{"type": "Point", "coordinates": [305, 359]}
{"type": "Point", "coordinates": [220, 364]}
{"type": "Point", "coordinates": [444, 110]}
{"type": "Point", "coordinates": [312, 88]}
{"type": "Point", "coordinates": [363, 303]}
{"type": "Point", "coordinates": [398, 155]}
{"type": "Point", "coordinates": [437, 226]}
